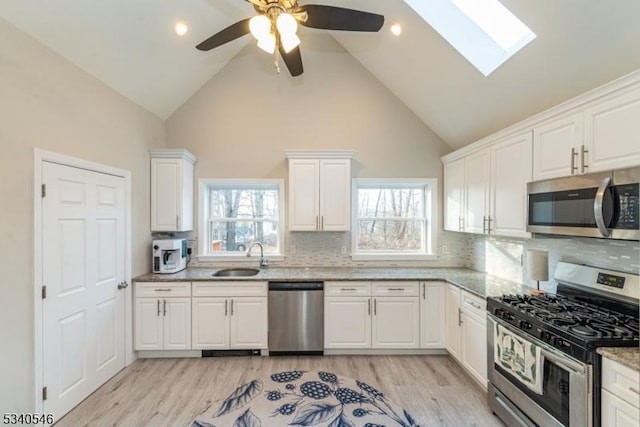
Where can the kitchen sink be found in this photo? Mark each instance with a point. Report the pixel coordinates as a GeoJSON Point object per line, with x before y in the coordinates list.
{"type": "Point", "coordinates": [236, 272]}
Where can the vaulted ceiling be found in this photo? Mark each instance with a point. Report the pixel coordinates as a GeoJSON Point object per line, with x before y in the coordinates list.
{"type": "Point", "coordinates": [130, 46]}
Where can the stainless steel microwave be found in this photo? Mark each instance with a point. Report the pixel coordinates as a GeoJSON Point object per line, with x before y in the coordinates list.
{"type": "Point", "coordinates": [601, 204]}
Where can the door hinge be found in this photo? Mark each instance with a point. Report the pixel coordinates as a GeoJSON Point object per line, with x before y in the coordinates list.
{"type": "Point", "coordinates": [43, 190]}
{"type": "Point", "coordinates": [44, 393]}
{"type": "Point", "coordinates": [44, 292]}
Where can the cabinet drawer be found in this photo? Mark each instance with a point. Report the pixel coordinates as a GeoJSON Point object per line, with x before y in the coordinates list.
{"type": "Point", "coordinates": [398, 289]}
{"type": "Point", "coordinates": [164, 289]}
{"type": "Point", "coordinates": [473, 304]}
{"type": "Point", "coordinates": [347, 288]}
{"type": "Point", "coordinates": [621, 381]}
{"type": "Point", "coordinates": [230, 289]}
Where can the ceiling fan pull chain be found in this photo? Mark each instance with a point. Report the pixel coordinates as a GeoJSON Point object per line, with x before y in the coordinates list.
{"type": "Point", "coordinates": [275, 57]}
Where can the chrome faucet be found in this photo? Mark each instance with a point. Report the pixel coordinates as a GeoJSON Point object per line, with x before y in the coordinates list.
{"type": "Point", "coordinates": [263, 260]}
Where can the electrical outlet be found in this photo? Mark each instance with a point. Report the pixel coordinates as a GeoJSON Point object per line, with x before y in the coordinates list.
{"type": "Point", "coordinates": [292, 249]}
{"type": "Point", "coordinates": [444, 249]}
{"type": "Point", "coordinates": [343, 250]}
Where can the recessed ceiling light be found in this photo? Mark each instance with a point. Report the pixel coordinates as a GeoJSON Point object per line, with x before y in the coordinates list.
{"type": "Point", "coordinates": [181, 28]}
{"type": "Point", "coordinates": [396, 29]}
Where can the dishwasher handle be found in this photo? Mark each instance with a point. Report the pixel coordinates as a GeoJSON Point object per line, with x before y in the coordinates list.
{"type": "Point", "coordinates": [296, 286]}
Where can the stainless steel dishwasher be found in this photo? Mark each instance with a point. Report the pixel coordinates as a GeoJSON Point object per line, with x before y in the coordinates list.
{"type": "Point", "coordinates": [296, 318]}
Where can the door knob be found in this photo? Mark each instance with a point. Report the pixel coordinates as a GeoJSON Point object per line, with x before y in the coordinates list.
{"type": "Point", "coordinates": [122, 285]}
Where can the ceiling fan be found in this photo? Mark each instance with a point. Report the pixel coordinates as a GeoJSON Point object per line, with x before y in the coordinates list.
{"type": "Point", "coordinates": [277, 21]}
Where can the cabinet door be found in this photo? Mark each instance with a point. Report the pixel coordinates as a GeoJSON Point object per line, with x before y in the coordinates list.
{"type": "Point", "coordinates": [432, 315]}
{"type": "Point", "coordinates": [612, 132]}
{"type": "Point", "coordinates": [210, 323]}
{"type": "Point", "coordinates": [510, 171]}
{"type": "Point", "coordinates": [248, 323]}
{"type": "Point", "coordinates": [166, 192]}
{"type": "Point", "coordinates": [452, 323]}
{"type": "Point", "coordinates": [618, 413]}
{"type": "Point", "coordinates": [148, 324]}
{"type": "Point", "coordinates": [454, 195]}
{"type": "Point", "coordinates": [474, 346]}
{"type": "Point", "coordinates": [347, 322]}
{"type": "Point", "coordinates": [553, 143]}
{"type": "Point", "coordinates": [304, 199]}
{"type": "Point", "coordinates": [177, 323]}
{"type": "Point", "coordinates": [335, 194]}
{"type": "Point", "coordinates": [396, 322]}
{"type": "Point", "coordinates": [477, 184]}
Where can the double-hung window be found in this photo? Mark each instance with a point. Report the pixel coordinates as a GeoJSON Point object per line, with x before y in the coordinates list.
{"type": "Point", "coordinates": [236, 213]}
{"type": "Point", "coordinates": [394, 219]}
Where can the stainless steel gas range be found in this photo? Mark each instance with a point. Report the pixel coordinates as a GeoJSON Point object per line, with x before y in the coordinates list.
{"type": "Point", "coordinates": [543, 367]}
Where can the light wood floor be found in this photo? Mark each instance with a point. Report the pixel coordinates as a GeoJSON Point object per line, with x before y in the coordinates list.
{"type": "Point", "coordinates": [172, 392]}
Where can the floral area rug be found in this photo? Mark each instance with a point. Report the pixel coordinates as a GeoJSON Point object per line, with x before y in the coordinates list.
{"type": "Point", "coordinates": [299, 398]}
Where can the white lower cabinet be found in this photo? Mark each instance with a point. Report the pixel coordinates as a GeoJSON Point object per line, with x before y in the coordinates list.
{"type": "Point", "coordinates": [364, 315]}
{"type": "Point", "coordinates": [467, 332]}
{"type": "Point", "coordinates": [620, 397]}
{"type": "Point", "coordinates": [229, 315]}
{"type": "Point", "coordinates": [162, 316]}
{"type": "Point", "coordinates": [432, 314]}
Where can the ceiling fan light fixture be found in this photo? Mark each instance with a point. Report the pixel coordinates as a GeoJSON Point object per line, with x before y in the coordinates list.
{"type": "Point", "coordinates": [260, 26]}
{"type": "Point", "coordinates": [289, 42]}
{"type": "Point", "coordinates": [268, 43]}
{"type": "Point", "coordinates": [286, 24]}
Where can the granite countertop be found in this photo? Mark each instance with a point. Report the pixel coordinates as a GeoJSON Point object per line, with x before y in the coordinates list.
{"type": "Point", "coordinates": [478, 283]}
{"type": "Point", "coordinates": [627, 356]}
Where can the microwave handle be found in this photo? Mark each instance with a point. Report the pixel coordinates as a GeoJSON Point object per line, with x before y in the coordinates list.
{"type": "Point", "coordinates": [598, 208]}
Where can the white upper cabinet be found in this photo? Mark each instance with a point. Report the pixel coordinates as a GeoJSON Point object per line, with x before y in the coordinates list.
{"type": "Point", "coordinates": [558, 147]}
{"type": "Point", "coordinates": [510, 172]}
{"type": "Point", "coordinates": [477, 181]}
{"type": "Point", "coordinates": [319, 191]}
{"type": "Point", "coordinates": [171, 189]}
{"type": "Point", "coordinates": [612, 132]}
{"type": "Point", "coordinates": [486, 191]}
{"type": "Point", "coordinates": [454, 195]}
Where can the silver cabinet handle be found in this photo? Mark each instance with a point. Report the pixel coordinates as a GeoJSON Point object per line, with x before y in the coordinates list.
{"type": "Point", "coordinates": [583, 161]}
{"type": "Point", "coordinates": [232, 307]}
{"type": "Point", "coordinates": [226, 311]}
{"type": "Point", "coordinates": [158, 304]}
{"type": "Point", "coordinates": [164, 306]}
{"type": "Point", "coordinates": [598, 207]}
{"type": "Point", "coordinates": [489, 219]}
{"type": "Point", "coordinates": [397, 289]}
{"type": "Point", "coordinates": [317, 222]}
{"type": "Point", "coordinates": [473, 304]}
{"type": "Point", "coordinates": [424, 291]}
{"type": "Point", "coordinates": [574, 154]}
{"type": "Point", "coordinates": [459, 317]}
{"type": "Point", "coordinates": [375, 307]}
{"type": "Point", "coordinates": [177, 222]}
{"type": "Point", "coordinates": [163, 290]}
{"type": "Point", "coordinates": [369, 303]}
{"type": "Point", "coordinates": [484, 225]}
{"type": "Point", "coordinates": [348, 289]}
{"type": "Point", "coordinates": [460, 223]}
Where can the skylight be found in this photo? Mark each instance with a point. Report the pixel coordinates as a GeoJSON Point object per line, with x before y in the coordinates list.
{"type": "Point", "coordinates": [484, 31]}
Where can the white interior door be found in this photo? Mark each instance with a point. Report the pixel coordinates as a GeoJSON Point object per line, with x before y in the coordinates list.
{"type": "Point", "coordinates": [83, 261]}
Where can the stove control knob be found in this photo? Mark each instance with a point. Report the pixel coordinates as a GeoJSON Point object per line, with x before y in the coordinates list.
{"type": "Point", "coordinates": [523, 324]}
{"type": "Point", "coordinates": [556, 340]}
{"type": "Point", "coordinates": [498, 312]}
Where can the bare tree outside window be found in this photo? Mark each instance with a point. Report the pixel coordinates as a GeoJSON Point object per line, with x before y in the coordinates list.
{"type": "Point", "coordinates": [242, 215]}
{"type": "Point", "coordinates": [391, 219]}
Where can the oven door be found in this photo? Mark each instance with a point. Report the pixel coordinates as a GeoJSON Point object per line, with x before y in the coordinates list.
{"type": "Point", "coordinates": [566, 398]}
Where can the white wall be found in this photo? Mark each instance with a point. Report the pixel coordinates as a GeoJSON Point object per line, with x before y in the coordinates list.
{"type": "Point", "coordinates": [242, 120]}
{"type": "Point", "coordinates": [47, 103]}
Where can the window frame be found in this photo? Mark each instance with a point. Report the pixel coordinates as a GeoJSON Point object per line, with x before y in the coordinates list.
{"type": "Point", "coordinates": [430, 228]}
{"type": "Point", "coordinates": [204, 185]}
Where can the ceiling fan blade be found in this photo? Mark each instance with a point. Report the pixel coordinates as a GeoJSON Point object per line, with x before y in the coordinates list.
{"type": "Point", "coordinates": [293, 60]}
{"type": "Point", "coordinates": [338, 18]}
{"type": "Point", "coordinates": [230, 33]}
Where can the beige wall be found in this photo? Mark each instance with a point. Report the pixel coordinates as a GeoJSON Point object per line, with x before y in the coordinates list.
{"type": "Point", "coordinates": [47, 103]}
{"type": "Point", "coordinates": [242, 120]}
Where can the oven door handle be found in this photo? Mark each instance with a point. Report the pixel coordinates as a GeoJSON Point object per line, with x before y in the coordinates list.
{"type": "Point", "coordinates": [598, 208]}
{"type": "Point", "coordinates": [563, 362]}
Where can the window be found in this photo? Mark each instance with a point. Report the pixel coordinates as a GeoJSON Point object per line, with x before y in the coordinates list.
{"type": "Point", "coordinates": [236, 213]}
{"type": "Point", "coordinates": [483, 31]}
{"type": "Point", "coordinates": [394, 219]}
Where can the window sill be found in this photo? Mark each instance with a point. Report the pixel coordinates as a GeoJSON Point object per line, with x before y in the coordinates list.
{"type": "Point", "coordinates": [393, 257]}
